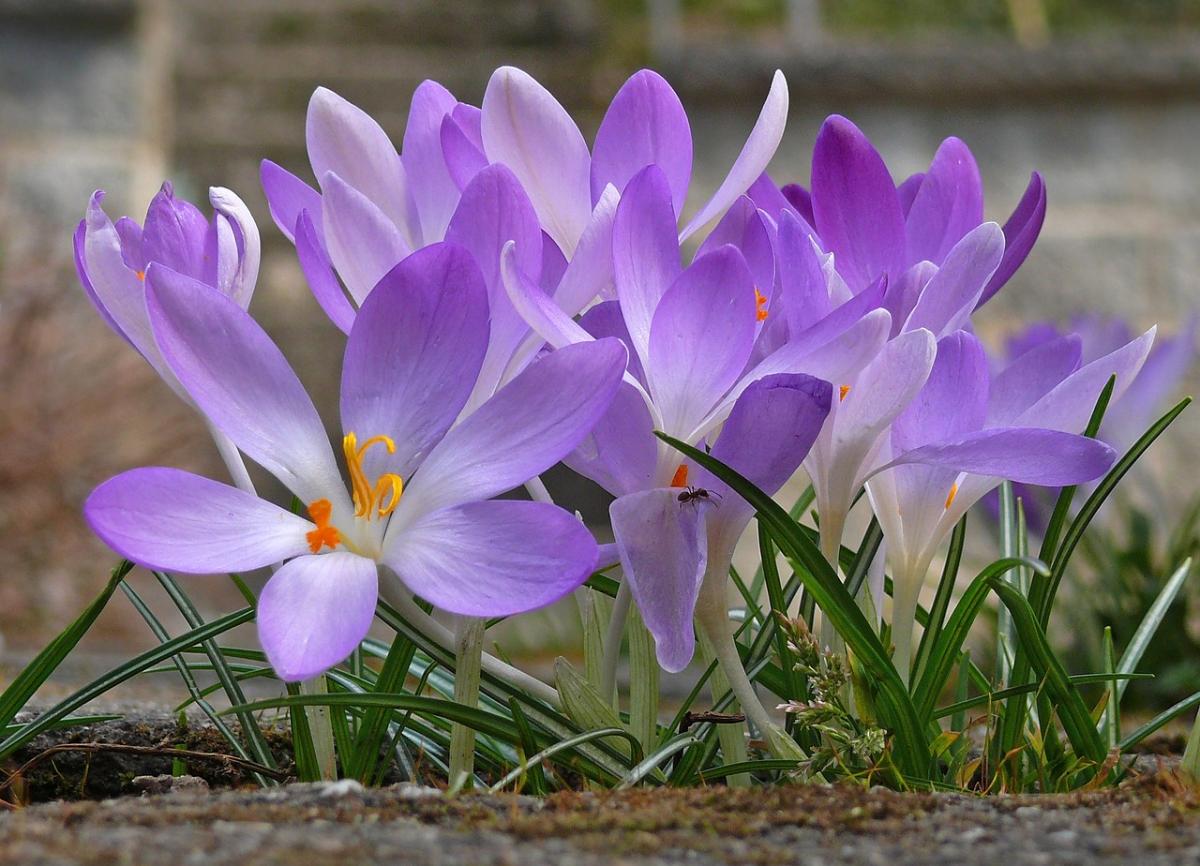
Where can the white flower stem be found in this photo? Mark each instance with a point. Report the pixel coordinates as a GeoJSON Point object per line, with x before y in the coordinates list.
{"type": "Point", "coordinates": [468, 660]}
{"type": "Point", "coordinates": [833, 526]}
{"type": "Point", "coordinates": [612, 640]}
{"type": "Point", "coordinates": [232, 458]}
{"type": "Point", "coordinates": [906, 591]}
{"type": "Point", "coordinates": [445, 639]}
{"type": "Point", "coordinates": [731, 737]}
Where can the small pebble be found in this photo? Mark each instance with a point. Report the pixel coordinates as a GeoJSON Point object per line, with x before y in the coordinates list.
{"type": "Point", "coordinates": [152, 786]}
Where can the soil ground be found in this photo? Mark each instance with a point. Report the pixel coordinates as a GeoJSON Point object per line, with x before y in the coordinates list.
{"type": "Point", "coordinates": [1152, 819]}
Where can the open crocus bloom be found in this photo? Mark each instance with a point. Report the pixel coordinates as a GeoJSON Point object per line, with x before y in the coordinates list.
{"type": "Point", "coordinates": [965, 433]}
{"type": "Point", "coordinates": [112, 259]}
{"type": "Point", "coordinates": [418, 488]}
{"type": "Point", "coordinates": [874, 227]}
{"type": "Point", "coordinates": [692, 334]}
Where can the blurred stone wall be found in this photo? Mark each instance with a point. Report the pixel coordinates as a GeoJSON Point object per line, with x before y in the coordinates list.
{"type": "Point", "coordinates": [120, 93]}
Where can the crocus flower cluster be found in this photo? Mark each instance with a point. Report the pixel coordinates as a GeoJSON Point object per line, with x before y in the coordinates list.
{"type": "Point", "coordinates": [513, 298]}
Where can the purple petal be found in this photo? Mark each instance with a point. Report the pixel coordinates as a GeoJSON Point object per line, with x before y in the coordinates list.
{"type": "Point", "coordinates": [537, 308]}
{"type": "Point", "coordinates": [315, 611]}
{"type": "Point", "coordinates": [1023, 454]}
{"type": "Point", "coordinates": [1020, 234]}
{"type": "Point", "coordinates": [605, 320]}
{"type": "Point", "coordinates": [801, 200]}
{"type": "Point", "coordinates": [744, 227]}
{"type": "Point", "coordinates": [462, 144]}
{"type": "Point", "coordinates": [247, 248]}
{"type": "Point", "coordinates": [173, 520]}
{"type": "Point", "coordinates": [948, 204]}
{"type": "Point", "coordinates": [345, 140]}
{"type": "Point", "coordinates": [645, 252]}
{"type": "Point", "coordinates": [903, 293]}
{"type": "Point", "coordinates": [1030, 377]}
{"type": "Point", "coordinates": [907, 191]}
{"type": "Point", "coordinates": [414, 354]}
{"type": "Point", "coordinates": [130, 234]}
{"type": "Point", "coordinates": [364, 244]}
{"type": "Point", "coordinates": [756, 154]}
{"type": "Point", "coordinates": [802, 278]}
{"type": "Point", "coordinates": [645, 125]}
{"type": "Point", "coordinates": [287, 195]}
{"type": "Point", "coordinates": [1069, 405]}
{"type": "Point", "coordinates": [664, 552]}
{"type": "Point", "coordinates": [620, 453]}
{"type": "Point", "coordinates": [701, 338]}
{"type": "Point", "coordinates": [175, 233]}
{"type": "Point", "coordinates": [528, 426]}
{"type": "Point", "coordinates": [433, 190]}
{"type": "Point", "coordinates": [855, 204]}
{"type": "Point", "coordinates": [241, 381]}
{"type": "Point", "coordinates": [79, 241]}
{"type": "Point", "coordinates": [320, 276]}
{"type": "Point", "coordinates": [525, 128]}
{"type": "Point", "coordinates": [768, 198]}
{"type": "Point", "coordinates": [953, 401]}
{"type": "Point", "coordinates": [765, 439]}
{"type": "Point", "coordinates": [590, 272]}
{"type": "Point", "coordinates": [493, 558]}
{"type": "Point", "coordinates": [946, 303]}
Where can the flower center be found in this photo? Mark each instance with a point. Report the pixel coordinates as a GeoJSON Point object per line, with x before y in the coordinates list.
{"type": "Point", "coordinates": [324, 535]}
{"type": "Point", "coordinates": [371, 500]}
{"type": "Point", "coordinates": [760, 305]}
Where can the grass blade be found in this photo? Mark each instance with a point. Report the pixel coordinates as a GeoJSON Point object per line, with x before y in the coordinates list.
{"type": "Point", "coordinates": [1149, 625]}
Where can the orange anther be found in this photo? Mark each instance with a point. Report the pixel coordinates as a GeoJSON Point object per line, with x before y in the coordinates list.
{"type": "Point", "coordinates": [760, 305]}
{"type": "Point", "coordinates": [679, 479]}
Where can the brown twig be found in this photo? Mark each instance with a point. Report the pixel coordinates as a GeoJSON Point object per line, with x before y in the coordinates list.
{"type": "Point", "coordinates": [158, 751]}
{"type": "Point", "coordinates": [690, 718]}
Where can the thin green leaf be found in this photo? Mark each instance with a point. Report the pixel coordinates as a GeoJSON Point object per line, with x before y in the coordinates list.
{"type": "Point", "coordinates": [1149, 625]}
{"type": "Point", "coordinates": [1165, 717]}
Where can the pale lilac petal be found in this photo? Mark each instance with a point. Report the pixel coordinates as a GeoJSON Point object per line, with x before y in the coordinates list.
{"type": "Point", "coordinates": [953, 292]}
{"type": "Point", "coordinates": [525, 128]}
{"type": "Point", "coordinates": [345, 140]}
{"type": "Point", "coordinates": [287, 195]}
{"type": "Point", "coordinates": [590, 272]}
{"type": "Point", "coordinates": [855, 204]}
{"type": "Point", "coordinates": [315, 611]}
{"type": "Point", "coordinates": [1020, 234]}
{"type": "Point", "coordinates": [320, 276]}
{"type": "Point", "coordinates": [413, 356]}
{"type": "Point", "coordinates": [756, 154]}
{"type": "Point", "coordinates": [241, 381]}
{"type": "Point", "coordinates": [433, 191]}
{"type": "Point", "coordinates": [364, 244]}
{"type": "Point", "coordinates": [528, 426]}
{"type": "Point", "coordinates": [493, 558]}
{"type": "Point", "coordinates": [766, 437]}
{"type": "Point", "coordinates": [620, 453]}
{"type": "Point", "coordinates": [645, 252]}
{"type": "Point", "coordinates": [175, 234]}
{"type": "Point", "coordinates": [79, 241]}
{"type": "Point", "coordinates": [1028, 455]}
{"type": "Point", "coordinates": [701, 338]}
{"type": "Point", "coordinates": [903, 293]}
{"type": "Point", "coordinates": [953, 401]}
{"type": "Point", "coordinates": [537, 308]}
{"type": "Point", "coordinates": [664, 553]}
{"type": "Point", "coordinates": [462, 144]}
{"type": "Point", "coordinates": [249, 244]}
{"type": "Point", "coordinates": [173, 520]}
{"type": "Point", "coordinates": [645, 125]}
{"type": "Point", "coordinates": [948, 204]}
{"type": "Point", "coordinates": [1069, 405]}
{"type": "Point", "coordinates": [1030, 377]}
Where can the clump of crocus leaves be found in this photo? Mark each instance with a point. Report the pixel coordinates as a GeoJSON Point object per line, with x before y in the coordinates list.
{"type": "Point", "coordinates": [513, 298]}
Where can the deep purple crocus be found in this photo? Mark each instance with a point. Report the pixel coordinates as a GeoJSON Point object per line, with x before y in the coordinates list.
{"type": "Point", "coordinates": [966, 432]}
{"type": "Point", "coordinates": [419, 498]}
{"type": "Point", "coordinates": [112, 259]}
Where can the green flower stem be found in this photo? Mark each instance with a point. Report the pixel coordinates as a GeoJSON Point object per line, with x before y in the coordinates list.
{"type": "Point", "coordinates": [468, 661]}
{"type": "Point", "coordinates": [731, 737]}
{"type": "Point", "coordinates": [643, 684]}
{"type": "Point", "coordinates": [321, 729]}
{"type": "Point", "coordinates": [612, 640]}
{"type": "Point", "coordinates": [1190, 765]}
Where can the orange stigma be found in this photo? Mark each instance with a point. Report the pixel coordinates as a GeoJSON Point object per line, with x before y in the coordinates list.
{"type": "Point", "coordinates": [950, 498]}
{"type": "Point", "coordinates": [679, 479]}
{"type": "Point", "coordinates": [324, 535]}
{"type": "Point", "coordinates": [760, 305]}
{"type": "Point", "coordinates": [141, 275]}
{"type": "Point", "coordinates": [843, 390]}
{"type": "Point", "coordinates": [380, 499]}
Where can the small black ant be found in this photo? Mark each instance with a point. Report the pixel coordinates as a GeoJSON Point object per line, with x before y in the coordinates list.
{"type": "Point", "coordinates": [697, 494]}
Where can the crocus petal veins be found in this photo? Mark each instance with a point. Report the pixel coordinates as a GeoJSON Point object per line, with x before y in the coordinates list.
{"type": "Point", "coordinates": [371, 500]}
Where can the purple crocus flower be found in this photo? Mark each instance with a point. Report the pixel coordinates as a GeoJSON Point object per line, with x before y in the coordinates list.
{"type": "Point", "coordinates": [875, 227]}
{"type": "Point", "coordinates": [965, 433]}
{"type": "Point", "coordinates": [692, 334]}
{"type": "Point", "coordinates": [419, 492]}
{"type": "Point", "coordinates": [112, 259]}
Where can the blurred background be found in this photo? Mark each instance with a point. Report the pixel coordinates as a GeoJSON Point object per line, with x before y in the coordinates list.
{"type": "Point", "coordinates": [1101, 96]}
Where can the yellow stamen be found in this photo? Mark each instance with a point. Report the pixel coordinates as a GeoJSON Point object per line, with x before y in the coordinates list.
{"type": "Point", "coordinates": [950, 498]}
{"type": "Point", "coordinates": [324, 535]}
{"type": "Point", "coordinates": [369, 501]}
{"type": "Point", "coordinates": [760, 305]}
{"type": "Point", "coordinates": [679, 479]}
{"type": "Point", "coordinates": [843, 390]}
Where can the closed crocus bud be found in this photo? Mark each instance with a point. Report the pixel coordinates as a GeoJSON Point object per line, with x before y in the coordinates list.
{"type": "Point", "coordinates": [112, 259]}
